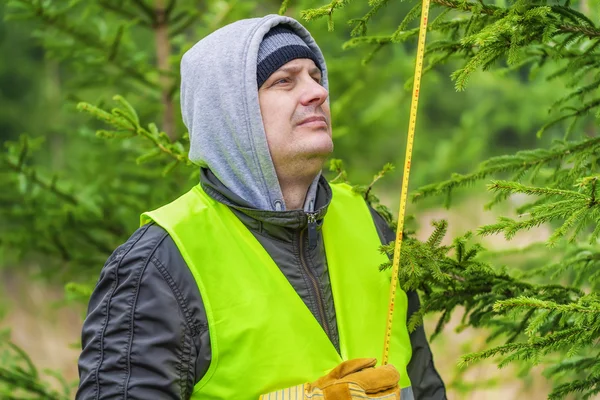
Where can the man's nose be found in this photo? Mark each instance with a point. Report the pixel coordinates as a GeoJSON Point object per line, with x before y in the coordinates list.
{"type": "Point", "coordinates": [314, 93]}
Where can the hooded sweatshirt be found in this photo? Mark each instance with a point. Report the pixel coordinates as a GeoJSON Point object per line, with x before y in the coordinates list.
{"type": "Point", "coordinates": [220, 108]}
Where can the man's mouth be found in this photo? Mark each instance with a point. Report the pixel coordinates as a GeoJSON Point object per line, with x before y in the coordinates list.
{"type": "Point", "coordinates": [314, 121]}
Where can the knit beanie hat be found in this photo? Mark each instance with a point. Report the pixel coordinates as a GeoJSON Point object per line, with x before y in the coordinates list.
{"type": "Point", "coordinates": [279, 46]}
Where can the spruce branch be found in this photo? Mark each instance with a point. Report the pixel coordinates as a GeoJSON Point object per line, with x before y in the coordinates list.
{"type": "Point", "coordinates": [473, 6]}
{"type": "Point", "coordinates": [372, 200]}
{"type": "Point", "coordinates": [18, 375]}
{"type": "Point", "coordinates": [523, 348]}
{"type": "Point", "coordinates": [588, 387]}
{"type": "Point", "coordinates": [145, 9]}
{"type": "Point", "coordinates": [527, 159]}
{"type": "Point", "coordinates": [509, 188]}
{"type": "Point", "coordinates": [337, 166]}
{"type": "Point", "coordinates": [573, 15]}
{"type": "Point", "coordinates": [413, 14]}
{"type": "Point", "coordinates": [183, 21]}
{"type": "Point", "coordinates": [580, 92]}
{"type": "Point", "coordinates": [326, 10]}
{"type": "Point", "coordinates": [16, 159]}
{"type": "Point", "coordinates": [462, 280]}
{"type": "Point", "coordinates": [169, 8]}
{"type": "Point", "coordinates": [119, 9]}
{"type": "Point", "coordinates": [28, 384]}
{"type": "Point", "coordinates": [284, 6]}
{"type": "Point", "coordinates": [575, 112]}
{"type": "Point", "coordinates": [125, 120]}
{"type": "Point", "coordinates": [59, 21]}
{"type": "Point", "coordinates": [523, 302]}
{"type": "Point", "coordinates": [436, 237]}
{"type": "Point", "coordinates": [580, 262]}
{"type": "Point", "coordinates": [114, 48]}
{"type": "Point", "coordinates": [374, 40]}
{"type": "Point", "coordinates": [543, 214]}
{"type": "Point", "coordinates": [360, 24]}
{"type": "Point", "coordinates": [574, 207]}
{"type": "Point", "coordinates": [589, 32]}
{"type": "Point", "coordinates": [386, 169]}
{"type": "Point", "coordinates": [18, 165]}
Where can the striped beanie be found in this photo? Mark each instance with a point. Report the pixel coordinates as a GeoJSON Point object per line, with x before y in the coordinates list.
{"type": "Point", "coordinates": [280, 46]}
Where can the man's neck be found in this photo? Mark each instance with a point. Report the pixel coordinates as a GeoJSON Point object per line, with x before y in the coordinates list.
{"type": "Point", "coordinates": [296, 192]}
{"type": "Point", "coordinates": [295, 185]}
{"type": "Point", "coordinates": [294, 195]}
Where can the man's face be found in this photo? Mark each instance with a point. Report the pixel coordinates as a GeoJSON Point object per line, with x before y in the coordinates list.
{"type": "Point", "coordinates": [296, 118]}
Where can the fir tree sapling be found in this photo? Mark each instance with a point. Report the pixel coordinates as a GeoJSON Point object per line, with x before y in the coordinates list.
{"type": "Point", "coordinates": [67, 221]}
{"type": "Point", "coordinates": [549, 315]}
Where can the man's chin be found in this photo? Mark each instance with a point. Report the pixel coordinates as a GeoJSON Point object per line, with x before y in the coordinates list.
{"type": "Point", "coordinates": [321, 147]}
{"type": "Point", "coordinates": [320, 153]}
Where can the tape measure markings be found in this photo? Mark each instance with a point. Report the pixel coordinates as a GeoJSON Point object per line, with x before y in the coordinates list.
{"type": "Point", "coordinates": [407, 163]}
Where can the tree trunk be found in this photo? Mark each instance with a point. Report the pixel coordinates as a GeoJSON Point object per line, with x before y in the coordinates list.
{"type": "Point", "coordinates": [163, 50]}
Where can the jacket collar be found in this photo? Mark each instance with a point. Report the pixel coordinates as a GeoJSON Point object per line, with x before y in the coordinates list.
{"type": "Point", "coordinates": [282, 225]}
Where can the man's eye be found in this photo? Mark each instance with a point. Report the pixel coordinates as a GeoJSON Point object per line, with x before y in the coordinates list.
{"type": "Point", "coordinates": [281, 80]}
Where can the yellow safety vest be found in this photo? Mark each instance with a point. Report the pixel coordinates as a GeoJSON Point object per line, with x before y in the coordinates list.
{"type": "Point", "coordinates": [262, 335]}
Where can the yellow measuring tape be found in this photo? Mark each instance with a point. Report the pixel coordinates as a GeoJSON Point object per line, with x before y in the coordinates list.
{"type": "Point", "coordinates": [407, 158]}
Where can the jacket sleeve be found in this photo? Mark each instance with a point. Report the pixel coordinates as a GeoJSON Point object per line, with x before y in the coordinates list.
{"type": "Point", "coordinates": [139, 337]}
{"type": "Point", "coordinates": [425, 380]}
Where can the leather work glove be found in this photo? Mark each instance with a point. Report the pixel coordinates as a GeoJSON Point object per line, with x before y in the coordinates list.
{"type": "Point", "coordinates": [352, 379]}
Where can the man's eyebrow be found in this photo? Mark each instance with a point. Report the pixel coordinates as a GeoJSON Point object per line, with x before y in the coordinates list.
{"type": "Point", "coordinates": [315, 70]}
{"type": "Point", "coordinates": [290, 69]}
{"type": "Point", "coordinates": [297, 69]}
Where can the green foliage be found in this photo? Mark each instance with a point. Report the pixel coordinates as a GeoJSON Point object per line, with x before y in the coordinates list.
{"type": "Point", "coordinates": [20, 379]}
{"type": "Point", "coordinates": [90, 199]}
{"type": "Point", "coordinates": [326, 10]}
{"type": "Point", "coordinates": [72, 189]}
{"type": "Point", "coordinates": [21, 80]}
{"type": "Point", "coordinates": [372, 199]}
{"type": "Point", "coordinates": [553, 317]}
{"type": "Point", "coordinates": [554, 321]}
{"type": "Point", "coordinates": [370, 104]}
{"type": "Point", "coordinates": [531, 165]}
{"type": "Point", "coordinates": [126, 123]}
{"type": "Point", "coordinates": [577, 209]}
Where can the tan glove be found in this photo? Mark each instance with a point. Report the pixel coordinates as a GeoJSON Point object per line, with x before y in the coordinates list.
{"type": "Point", "coordinates": [352, 379]}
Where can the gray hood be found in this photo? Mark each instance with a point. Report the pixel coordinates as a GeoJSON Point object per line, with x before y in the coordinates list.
{"type": "Point", "coordinates": [219, 105]}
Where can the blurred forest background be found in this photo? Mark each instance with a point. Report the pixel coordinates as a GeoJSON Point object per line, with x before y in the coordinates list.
{"type": "Point", "coordinates": [70, 193]}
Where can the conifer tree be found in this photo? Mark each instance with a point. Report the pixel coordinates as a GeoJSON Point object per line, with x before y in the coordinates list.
{"type": "Point", "coordinates": [550, 314]}
{"type": "Point", "coordinates": [71, 194]}
{"type": "Point", "coordinates": [107, 65]}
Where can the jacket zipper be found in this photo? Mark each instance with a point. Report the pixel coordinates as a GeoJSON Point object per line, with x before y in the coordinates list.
{"type": "Point", "coordinates": [312, 231]}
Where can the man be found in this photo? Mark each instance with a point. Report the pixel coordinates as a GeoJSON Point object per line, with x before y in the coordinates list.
{"type": "Point", "coordinates": [264, 276]}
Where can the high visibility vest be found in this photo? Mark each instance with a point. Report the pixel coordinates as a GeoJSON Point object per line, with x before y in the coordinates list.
{"type": "Point", "coordinates": [262, 335]}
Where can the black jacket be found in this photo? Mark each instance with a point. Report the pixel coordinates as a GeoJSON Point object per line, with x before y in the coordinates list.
{"type": "Point", "coordinates": [146, 333]}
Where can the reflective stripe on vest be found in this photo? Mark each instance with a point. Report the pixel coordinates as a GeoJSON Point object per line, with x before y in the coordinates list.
{"type": "Point", "coordinates": [263, 337]}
